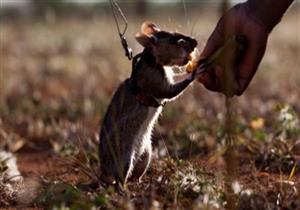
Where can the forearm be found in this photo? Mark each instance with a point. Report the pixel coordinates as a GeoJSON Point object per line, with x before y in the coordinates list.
{"type": "Point", "coordinates": [268, 12]}
{"type": "Point", "coordinates": [172, 90]}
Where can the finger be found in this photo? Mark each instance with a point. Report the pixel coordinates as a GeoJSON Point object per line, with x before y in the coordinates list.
{"type": "Point", "coordinates": [208, 82]}
{"type": "Point", "coordinates": [205, 79]}
{"type": "Point", "coordinates": [219, 71]}
{"type": "Point", "coordinates": [250, 62]}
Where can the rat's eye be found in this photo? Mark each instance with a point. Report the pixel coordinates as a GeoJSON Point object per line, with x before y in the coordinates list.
{"type": "Point", "coordinates": [181, 41]}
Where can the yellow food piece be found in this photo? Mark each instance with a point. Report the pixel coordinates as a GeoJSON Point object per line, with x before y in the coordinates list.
{"type": "Point", "coordinates": [194, 58]}
{"type": "Point", "coordinates": [191, 66]}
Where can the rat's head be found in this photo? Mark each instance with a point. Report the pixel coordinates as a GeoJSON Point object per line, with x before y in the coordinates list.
{"type": "Point", "coordinates": [168, 48]}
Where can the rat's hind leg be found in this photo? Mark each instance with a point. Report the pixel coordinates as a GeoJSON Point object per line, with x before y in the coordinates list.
{"type": "Point", "coordinates": [124, 167]}
{"type": "Point", "coordinates": [142, 164]}
{"type": "Point", "coordinates": [116, 170]}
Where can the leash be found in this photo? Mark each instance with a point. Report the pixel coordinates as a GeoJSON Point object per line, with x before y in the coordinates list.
{"type": "Point", "coordinates": [130, 83]}
{"type": "Point", "coordinates": [114, 5]}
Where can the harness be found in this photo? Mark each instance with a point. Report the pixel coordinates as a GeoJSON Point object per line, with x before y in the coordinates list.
{"type": "Point", "coordinates": [133, 86]}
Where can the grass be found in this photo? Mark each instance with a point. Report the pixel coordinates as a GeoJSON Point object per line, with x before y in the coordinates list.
{"type": "Point", "coordinates": [57, 79]}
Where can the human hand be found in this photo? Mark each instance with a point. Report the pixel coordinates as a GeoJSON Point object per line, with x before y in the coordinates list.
{"type": "Point", "coordinates": [237, 21]}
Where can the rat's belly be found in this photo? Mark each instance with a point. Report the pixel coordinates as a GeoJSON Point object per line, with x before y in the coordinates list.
{"type": "Point", "coordinates": [143, 137]}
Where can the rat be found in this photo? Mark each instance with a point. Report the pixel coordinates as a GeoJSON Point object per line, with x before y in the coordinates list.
{"type": "Point", "coordinates": [125, 148]}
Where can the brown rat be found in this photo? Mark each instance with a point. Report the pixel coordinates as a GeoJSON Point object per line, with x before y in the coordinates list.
{"type": "Point", "coordinates": [125, 137]}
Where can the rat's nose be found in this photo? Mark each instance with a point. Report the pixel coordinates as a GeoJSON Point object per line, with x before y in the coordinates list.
{"type": "Point", "coordinates": [194, 43]}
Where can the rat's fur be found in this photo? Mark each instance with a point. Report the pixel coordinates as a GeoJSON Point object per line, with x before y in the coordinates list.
{"type": "Point", "coordinates": [125, 138]}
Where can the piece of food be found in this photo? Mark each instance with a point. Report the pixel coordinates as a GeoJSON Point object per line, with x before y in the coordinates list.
{"type": "Point", "coordinates": [194, 58]}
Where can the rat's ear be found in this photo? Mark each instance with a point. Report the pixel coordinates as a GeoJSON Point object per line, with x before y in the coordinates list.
{"type": "Point", "coordinates": [149, 28]}
{"type": "Point", "coordinates": [145, 40]}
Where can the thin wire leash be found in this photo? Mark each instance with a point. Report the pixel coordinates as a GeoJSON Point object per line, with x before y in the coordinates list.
{"type": "Point", "coordinates": [114, 5]}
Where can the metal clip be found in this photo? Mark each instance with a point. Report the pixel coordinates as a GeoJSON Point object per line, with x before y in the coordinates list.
{"type": "Point", "coordinates": [128, 51]}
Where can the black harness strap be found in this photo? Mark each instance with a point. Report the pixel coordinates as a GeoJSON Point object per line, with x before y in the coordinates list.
{"type": "Point", "coordinates": [134, 88]}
